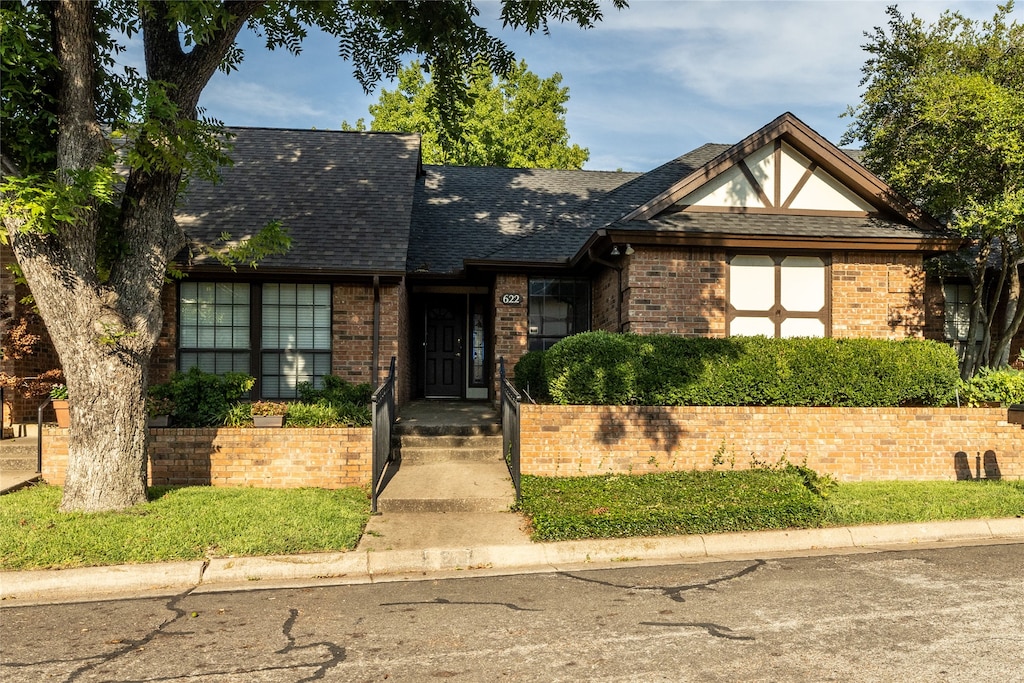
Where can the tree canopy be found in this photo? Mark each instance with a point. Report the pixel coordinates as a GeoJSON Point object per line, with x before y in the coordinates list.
{"type": "Point", "coordinates": [942, 120]}
{"type": "Point", "coordinates": [515, 120]}
{"type": "Point", "coordinates": [94, 159]}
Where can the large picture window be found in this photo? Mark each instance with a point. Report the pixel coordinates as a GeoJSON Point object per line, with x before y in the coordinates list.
{"type": "Point", "coordinates": [296, 334]}
{"type": "Point", "coordinates": [778, 296]}
{"type": "Point", "coordinates": [558, 307]}
{"type": "Point", "coordinates": [293, 332]}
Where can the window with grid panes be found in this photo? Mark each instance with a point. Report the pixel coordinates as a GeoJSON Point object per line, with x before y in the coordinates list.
{"type": "Point", "coordinates": [558, 308]}
{"type": "Point", "coordinates": [213, 327]}
{"type": "Point", "coordinates": [295, 337]}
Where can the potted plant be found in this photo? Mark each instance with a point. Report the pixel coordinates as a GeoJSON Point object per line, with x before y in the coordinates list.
{"type": "Point", "coordinates": [268, 414]}
{"type": "Point", "coordinates": [159, 409]}
{"type": "Point", "coordinates": [59, 401]}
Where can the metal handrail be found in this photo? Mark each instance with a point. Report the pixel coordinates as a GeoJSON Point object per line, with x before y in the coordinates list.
{"type": "Point", "coordinates": [383, 405]}
{"type": "Point", "coordinates": [510, 400]}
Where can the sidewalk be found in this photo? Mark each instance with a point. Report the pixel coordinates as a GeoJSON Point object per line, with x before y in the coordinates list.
{"type": "Point", "coordinates": [516, 556]}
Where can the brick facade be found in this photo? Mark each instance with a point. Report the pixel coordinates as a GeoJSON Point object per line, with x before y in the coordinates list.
{"type": "Point", "coordinates": [263, 458]}
{"type": "Point", "coordinates": [675, 291]}
{"type": "Point", "coordinates": [879, 296]}
{"type": "Point", "coordinates": [510, 323]}
{"type": "Point", "coordinates": [852, 444]}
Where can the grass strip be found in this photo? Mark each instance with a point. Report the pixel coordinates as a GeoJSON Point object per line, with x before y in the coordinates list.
{"type": "Point", "coordinates": [669, 503]}
{"type": "Point", "coordinates": [747, 500]}
{"type": "Point", "coordinates": [892, 502]}
{"type": "Point", "coordinates": [184, 523]}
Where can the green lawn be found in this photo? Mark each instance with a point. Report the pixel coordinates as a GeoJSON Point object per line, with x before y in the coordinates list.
{"type": "Point", "coordinates": [179, 524]}
{"type": "Point", "coordinates": [197, 522]}
{"type": "Point", "coordinates": [748, 500]}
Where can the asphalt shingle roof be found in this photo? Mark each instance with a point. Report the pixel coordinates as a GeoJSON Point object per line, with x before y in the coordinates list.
{"type": "Point", "coordinates": [345, 198]}
{"type": "Point", "coordinates": [560, 240]}
{"type": "Point", "coordinates": [466, 212]}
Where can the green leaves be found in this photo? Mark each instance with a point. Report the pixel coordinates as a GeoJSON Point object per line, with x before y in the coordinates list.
{"type": "Point", "coordinates": [598, 368]}
{"type": "Point", "coordinates": [42, 202]}
{"type": "Point", "coordinates": [516, 120]}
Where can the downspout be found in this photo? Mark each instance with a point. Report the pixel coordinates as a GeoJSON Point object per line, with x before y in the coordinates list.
{"type": "Point", "coordinates": [376, 331]}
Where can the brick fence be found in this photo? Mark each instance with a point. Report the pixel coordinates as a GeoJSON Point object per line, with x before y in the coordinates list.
{"type": "Point", "coordinates": [328, 458]}
{"type": "Point", "coordinates": [852, 444]}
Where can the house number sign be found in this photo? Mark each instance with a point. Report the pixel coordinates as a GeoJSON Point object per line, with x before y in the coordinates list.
{"type": "Point", "coordinates": [511, 299]}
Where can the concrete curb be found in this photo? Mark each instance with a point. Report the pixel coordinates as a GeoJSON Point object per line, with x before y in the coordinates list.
{"type": "Point", "coordinates": [247, 573]}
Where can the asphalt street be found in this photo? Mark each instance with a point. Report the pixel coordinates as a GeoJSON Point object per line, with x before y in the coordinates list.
{"type": "Point", "coordinates": [949, 614]}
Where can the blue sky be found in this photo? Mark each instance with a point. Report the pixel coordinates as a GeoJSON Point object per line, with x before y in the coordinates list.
{"type": "Point", "coordinates": [646, 85]}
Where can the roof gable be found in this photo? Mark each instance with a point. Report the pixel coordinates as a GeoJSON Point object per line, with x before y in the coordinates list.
{"type": "Point", "coordinates": [784, 168]}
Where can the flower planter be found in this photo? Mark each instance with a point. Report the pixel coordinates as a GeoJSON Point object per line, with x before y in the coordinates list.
{"type": "Point", "coordinates": [60, 407]}
{"type": "Point", "coordinates": [160, 421]}
{"type": "Point", "coordinates": [268, 420]}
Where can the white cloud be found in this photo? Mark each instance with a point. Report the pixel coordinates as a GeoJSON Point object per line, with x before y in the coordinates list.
{"type": "Point", "coordinates": [250, 103]}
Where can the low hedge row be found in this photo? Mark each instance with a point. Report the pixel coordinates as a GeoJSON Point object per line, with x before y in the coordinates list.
{"type": "Point", "coordinates": [600, 368]}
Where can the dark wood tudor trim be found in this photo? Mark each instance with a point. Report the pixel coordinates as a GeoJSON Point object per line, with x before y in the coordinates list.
{"type": "Point", "coordinates": [809, 143]}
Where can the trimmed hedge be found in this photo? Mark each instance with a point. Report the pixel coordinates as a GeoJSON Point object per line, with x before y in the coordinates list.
{"type": "Point", "coordinates": [600, 368]}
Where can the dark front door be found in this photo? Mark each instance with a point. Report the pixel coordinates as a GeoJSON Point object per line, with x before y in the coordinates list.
{"type": "Point", "coordinates": [443, 336]}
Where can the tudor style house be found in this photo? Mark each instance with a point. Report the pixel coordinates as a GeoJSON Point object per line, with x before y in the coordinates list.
{"type": "Point", "coordinates": [448, 269]}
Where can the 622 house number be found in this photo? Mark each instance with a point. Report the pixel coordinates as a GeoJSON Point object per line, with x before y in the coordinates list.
{"type": "Point", "coordinates": [511, 299]}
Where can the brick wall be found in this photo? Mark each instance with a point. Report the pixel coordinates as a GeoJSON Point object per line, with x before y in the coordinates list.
{"type": "Point", "coordinates": [852, 444]}
{"type": "Point", "coordinates": [879, 295]}
{"type": "Point", "coordinates": [675, 291]}
{"type": "Point", "coordinates": [605, 301]}
{"type": "Point", "coordinates": [352, 332]}
{"type": "Point", "coordinates": [510, 323]}
{"type": "Point", "coordinates": [164, 361]}
{"type": "Point", "coordinates": [264, 458]}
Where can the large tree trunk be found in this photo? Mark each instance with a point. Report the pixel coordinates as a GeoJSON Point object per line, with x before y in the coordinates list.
{"type": "Point", "coordinates": [104, 325]}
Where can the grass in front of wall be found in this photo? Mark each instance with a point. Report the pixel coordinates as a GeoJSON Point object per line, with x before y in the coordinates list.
{"type": "Point", "coordinates": [893, 502]}
{"type": "Point", "coordinates": [186, 523]}
{"type": "Point", "coordinates": [748, 500]}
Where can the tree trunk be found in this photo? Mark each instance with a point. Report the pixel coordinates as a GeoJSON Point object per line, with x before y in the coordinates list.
{"type": "Point", "coordinates": [969, 363]}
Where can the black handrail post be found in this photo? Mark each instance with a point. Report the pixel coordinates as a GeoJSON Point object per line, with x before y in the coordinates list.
{"type": "Point", "coordinates": [510, 400]}
{"type": "Point", "coordinates": [383, 406]}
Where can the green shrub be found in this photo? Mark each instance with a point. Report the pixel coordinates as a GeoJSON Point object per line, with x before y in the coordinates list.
{"type": "Point", "coordinates": [529, 375]}
{"type": "Point", "coordinates": [203, 399]}
{"type": "Point", "coordinates": [615, 369]}
{"type": "Point", "coordinates": [335, 390]}
{"type": "Point", "coordinates": [1004, 386]}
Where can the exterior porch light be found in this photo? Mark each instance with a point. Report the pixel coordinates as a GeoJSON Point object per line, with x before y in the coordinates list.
{"type": "Point", "coordinates": [615, 252]}
{"type": "Point", "coordinates": [629, 249]}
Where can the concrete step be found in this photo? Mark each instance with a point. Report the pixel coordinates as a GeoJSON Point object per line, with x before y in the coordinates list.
{"type": "Point", "coordinates": [448, 441]}
{"type": "Point", "coordinates": [448, 487]}
{"type": "Point", "coordinates": [420, 455]}
{"type": "Point", "coordinates": [18, 454]}
{"type": "Point", "coordinates": [482, 429]}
